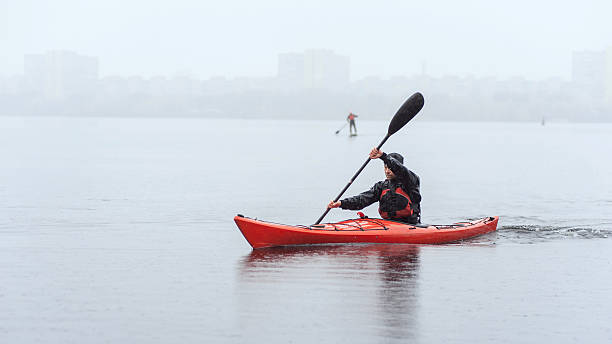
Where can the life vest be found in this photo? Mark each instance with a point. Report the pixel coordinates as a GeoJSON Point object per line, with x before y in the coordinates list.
{"type": "Point", "coordinates": [395, 204]}
{"type": "Point", "coordinates": [351, 117]}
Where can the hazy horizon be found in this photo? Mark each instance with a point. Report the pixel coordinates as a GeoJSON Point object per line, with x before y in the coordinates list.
{"type": "Point", "coordinates": [243, 39]}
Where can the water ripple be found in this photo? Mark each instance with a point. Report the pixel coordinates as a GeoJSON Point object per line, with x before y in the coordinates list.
{"type": "Point", "coordinates": [529, 233]}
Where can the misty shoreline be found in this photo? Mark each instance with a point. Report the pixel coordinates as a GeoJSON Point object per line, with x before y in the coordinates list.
{"type": "Point", "coordinates": [338, 120]}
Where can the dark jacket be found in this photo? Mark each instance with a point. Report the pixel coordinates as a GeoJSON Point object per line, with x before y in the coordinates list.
{"type": "Point", "coordinates": [404, 178]}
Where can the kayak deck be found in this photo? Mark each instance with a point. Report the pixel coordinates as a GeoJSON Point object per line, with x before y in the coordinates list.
{"type": "Point", "coordinates": [364, 230]}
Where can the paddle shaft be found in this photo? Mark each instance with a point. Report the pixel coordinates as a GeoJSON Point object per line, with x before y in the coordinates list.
{"type": "Point", "coordinates": [337, 131]}
{"type": "Point", "coordinates": [352, 180]}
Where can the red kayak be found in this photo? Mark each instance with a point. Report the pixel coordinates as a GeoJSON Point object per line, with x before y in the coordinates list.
{"type": "Point", "coordinates": [365, 230]}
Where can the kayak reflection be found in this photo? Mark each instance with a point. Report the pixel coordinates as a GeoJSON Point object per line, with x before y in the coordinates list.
{"type": "Point", "coordinates": [377, 283]}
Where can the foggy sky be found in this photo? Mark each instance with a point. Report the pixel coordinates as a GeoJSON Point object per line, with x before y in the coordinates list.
{"type": "Point", "coordinates": [528, 38]}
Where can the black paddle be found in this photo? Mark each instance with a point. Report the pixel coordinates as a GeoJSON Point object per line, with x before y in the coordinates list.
{"type": "Point", "coordinates": [337, 131]}
{"type": "Point", "coordinates": [406, 112]}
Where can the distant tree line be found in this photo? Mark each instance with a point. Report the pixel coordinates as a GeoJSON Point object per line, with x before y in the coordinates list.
{"type": "Point", "coordinates": [371, 98]}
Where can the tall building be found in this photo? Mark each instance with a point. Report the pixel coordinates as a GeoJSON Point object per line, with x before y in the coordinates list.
{"type": "Point", "coordinates": [291, 70]}
{"type": "Point", "coordinates": [589, 73]}
{"type": "Point", "coordinates": [60, 74]}
{"type": "Point", "coordinates": [314, 69]}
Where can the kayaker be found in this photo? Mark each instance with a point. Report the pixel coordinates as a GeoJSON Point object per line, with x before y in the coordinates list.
{"type": "Point", "coordinates": [398, 195]}
{"type": "Point", "coordinates": [351, 119]}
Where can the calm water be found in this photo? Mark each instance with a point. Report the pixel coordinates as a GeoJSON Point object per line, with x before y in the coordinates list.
{"type": "Point", "coordinates": [120, 230]}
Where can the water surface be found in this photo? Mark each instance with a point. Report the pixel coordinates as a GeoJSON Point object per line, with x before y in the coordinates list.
{"type": "Point", "coordinates": [120, 230]}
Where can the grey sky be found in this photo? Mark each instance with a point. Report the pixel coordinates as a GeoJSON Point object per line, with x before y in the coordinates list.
{"type": "Point", "coordinates": [533, 39]}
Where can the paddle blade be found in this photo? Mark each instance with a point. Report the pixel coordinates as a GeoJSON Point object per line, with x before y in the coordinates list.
{"type": "Point", "coordinates": [406, 112]}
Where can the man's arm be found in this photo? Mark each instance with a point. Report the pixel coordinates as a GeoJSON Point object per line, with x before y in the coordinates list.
{"type": "Point", "coordinates": [362, 200]}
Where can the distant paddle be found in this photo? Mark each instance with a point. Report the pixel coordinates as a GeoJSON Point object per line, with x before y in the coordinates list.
{"type": "Point", "coordinates": [406, 112]}
{"type": "Point", "coordinates": [337, 131]}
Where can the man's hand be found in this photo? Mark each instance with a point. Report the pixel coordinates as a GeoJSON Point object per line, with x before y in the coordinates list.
{"type": "Point", "coordinates": [333, 204]}
{"type": "Point", "coordinates": [375, 153]}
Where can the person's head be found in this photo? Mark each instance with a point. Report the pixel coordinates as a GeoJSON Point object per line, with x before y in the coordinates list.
{"type": "Point", "coordinates": [388, 173]}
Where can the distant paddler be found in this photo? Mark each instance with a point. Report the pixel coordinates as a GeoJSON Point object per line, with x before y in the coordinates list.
{"type": "Point", "coordinates": [351, 120]}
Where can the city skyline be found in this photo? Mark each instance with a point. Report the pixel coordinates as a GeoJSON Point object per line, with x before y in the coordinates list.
{"type": "Point", "coordinates": [423, 70]}
{"type": "Point", "coordinates": [312, 83]}
{"type": "Point", "coordinates": [599, 56]}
